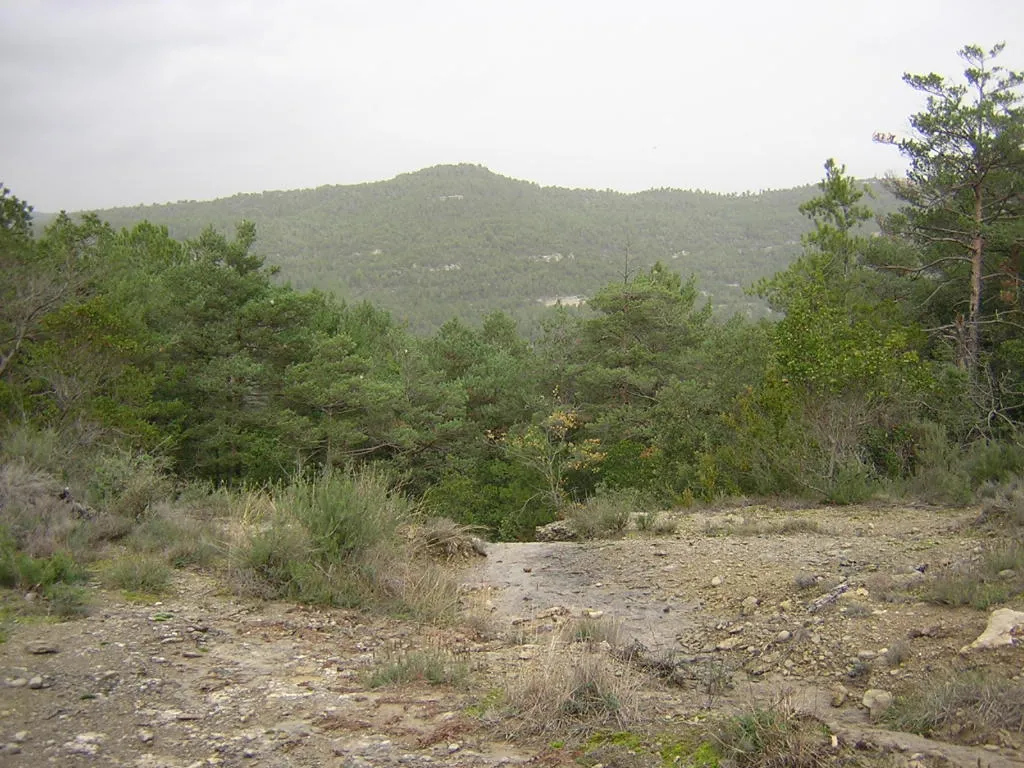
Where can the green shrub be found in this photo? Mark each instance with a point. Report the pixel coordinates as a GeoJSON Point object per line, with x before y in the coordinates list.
{"type": "Point", "coordinates": [993, 461]}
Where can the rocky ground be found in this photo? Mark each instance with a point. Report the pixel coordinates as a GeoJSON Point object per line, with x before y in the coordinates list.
{"type": "Point", "coordinates": [735, 609]}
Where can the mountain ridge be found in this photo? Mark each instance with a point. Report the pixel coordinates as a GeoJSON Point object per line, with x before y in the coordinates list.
{"type": "Point", "coordinates": [460, 240]}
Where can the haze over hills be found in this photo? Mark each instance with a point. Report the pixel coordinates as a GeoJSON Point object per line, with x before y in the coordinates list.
{"type": "Point", "coordinates": [461, 241]}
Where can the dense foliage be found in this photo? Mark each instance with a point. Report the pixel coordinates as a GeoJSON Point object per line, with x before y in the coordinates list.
{"type": "Point", "coordinates": [897, 365]}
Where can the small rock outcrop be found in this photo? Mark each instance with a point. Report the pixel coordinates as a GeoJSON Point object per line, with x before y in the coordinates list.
{"type": "Point", "coordinates": [560, 530]}
{"type": "Point", "coordinates": [1004, 627]}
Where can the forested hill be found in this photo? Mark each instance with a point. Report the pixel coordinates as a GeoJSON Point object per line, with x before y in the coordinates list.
{"type": "Point", "coordinates": [459, 240]}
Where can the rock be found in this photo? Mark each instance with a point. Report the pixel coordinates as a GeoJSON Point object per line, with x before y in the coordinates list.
{"type": "Point", "coordinates": [40, 648]}
{"type": "Point", "coordinates": [840, 693]}
{"type": "Point", "coordinates": [145, 736]}
{"type": "Point", "coordinates": [1003, 628]}
{"type": "Point", "coordinates": [1007, 573]}
{"type": "Point", "coordinates": [86, 744]}
{"type": "Point", "coordinates": [716, 581]}
{"type": "Point", "coordinates": [16, 682]}
{"type": "Point", "coordinates": [729, 643]}
{"type": "Point", "coordinates": [749, 605]}
{"type": "Point", "coordinates": [560, 530]}
{"type": "Point", "coordinates": [784, 636]}
{"type": "Point", "coordinates": [10, 749]}
{"type": "Point", "coordinates": [877, 701]}
{"type": "Point", "coordinates": [866, 655]}
{"type": "Point", "coordinates": [20, 737]}
{"type": "Point", "coordinates": [35, 683]}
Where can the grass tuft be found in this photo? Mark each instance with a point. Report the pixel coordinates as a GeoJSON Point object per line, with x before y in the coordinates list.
{"type": "Point", "coordinates": [432, 667]}
{"type": "Point", "coordinates": [776, 736]}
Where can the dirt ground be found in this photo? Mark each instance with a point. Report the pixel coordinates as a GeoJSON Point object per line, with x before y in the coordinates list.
{"type": "Point", "coordinates": [205, 678]}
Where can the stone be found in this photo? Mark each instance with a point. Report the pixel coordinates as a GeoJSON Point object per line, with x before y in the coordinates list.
{"type": "Point", "coordinates": [1004, 625]}
{"type": "Point", "coordinates": [36, 683]}
{"type": "Point", "coordinates": [16, 682]}
{"type": "Point", "coordinates": [784, 636]}
{"type": "Point", "coordinates": [840, 693]}
{"type": "Point", "coordinates": [729, 643]}
{"type": "Point", "coordinates": [749, 605]}
{"type": "Point", "coordinates": [20, 737]}
{"type": "Point", "coordinates": [716, 581]}
{"type": "Point", "coordinates": [877, 701]}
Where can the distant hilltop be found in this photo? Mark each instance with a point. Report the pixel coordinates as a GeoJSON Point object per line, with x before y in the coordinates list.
{"type": "Point", "coordinates": [462, 241]}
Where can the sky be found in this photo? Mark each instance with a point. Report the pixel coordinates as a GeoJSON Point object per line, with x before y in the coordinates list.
{"type": "Point", "coordinates": [119, 102]}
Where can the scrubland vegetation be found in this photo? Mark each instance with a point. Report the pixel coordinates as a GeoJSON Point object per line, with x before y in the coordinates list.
{"type": "Point", "coordinates": [166, 404]}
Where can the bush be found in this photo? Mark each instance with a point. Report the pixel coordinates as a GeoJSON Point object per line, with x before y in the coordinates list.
{"type": "Point", "coordinates": [339, 540]}
{"type": "Point", "coordinates": [604, 515]}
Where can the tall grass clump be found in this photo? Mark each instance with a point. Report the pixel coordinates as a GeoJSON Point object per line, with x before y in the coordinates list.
{"type": "Point", "coordinates": [339, 539]}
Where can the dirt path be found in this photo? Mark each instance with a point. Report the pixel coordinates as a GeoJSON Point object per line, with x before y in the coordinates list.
{"type": "Point", "coordinates": [203, 678]}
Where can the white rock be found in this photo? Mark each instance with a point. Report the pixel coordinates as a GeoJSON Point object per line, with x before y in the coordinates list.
{"type": "Point", "coordinates": [876, 701]}
{"type": "Point", "coordinates": [716, 581]}
{"type": "Point", "coordinates": [1003, 626]}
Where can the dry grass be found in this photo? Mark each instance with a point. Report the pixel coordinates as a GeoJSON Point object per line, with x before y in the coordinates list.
{"type": "Point", "coordinates": [449, 541]}
{"type": "Point", "coordinates": [967, 706]}
{"type": "Point", "coordinates": [732, 526]}
{"type": "Point", "coordinates": [569, 696]}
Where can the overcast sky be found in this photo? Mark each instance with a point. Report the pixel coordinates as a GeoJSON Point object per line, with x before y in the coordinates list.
{"type": "Point", "coordinates": [118, 102]}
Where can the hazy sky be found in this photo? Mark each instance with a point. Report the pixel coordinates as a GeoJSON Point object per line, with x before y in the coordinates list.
{"type": "Point", "coordinates": [116, 102]}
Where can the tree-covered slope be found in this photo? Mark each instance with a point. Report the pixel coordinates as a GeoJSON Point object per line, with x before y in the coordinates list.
{"type": "Point", "coordinates": [459, 240]}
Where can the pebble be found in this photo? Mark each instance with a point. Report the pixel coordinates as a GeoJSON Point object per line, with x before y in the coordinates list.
{"type": "Point", "coordinates": [36, 683]}
{"type": "Point", "coordinates": [16, 682]}
{"type": "Point", "coordinates": [784, 636]}
{"type": "Point", "coordinates": [716, 581]}
{"type": "Point", "coordinates": [20, 737]}
{"type": "Point", "coordinates": [10, 749]}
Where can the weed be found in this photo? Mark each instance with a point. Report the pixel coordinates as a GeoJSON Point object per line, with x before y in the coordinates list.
{"type": "Point", "coordinates": [742, 527]}
{"type": "Point", "coordinates": [432, 667]}
{"type": "Point", "coordinates": [138, 573]}
{"type": "Point", "coordinates": [968, 706]}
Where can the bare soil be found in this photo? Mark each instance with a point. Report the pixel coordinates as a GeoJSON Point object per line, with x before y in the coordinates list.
{"type": "Point", "coordinates": [205, 678]}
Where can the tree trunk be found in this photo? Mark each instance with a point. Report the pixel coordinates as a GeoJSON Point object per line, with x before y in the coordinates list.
{"type": "Point", "coordinates": [974, 320]}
